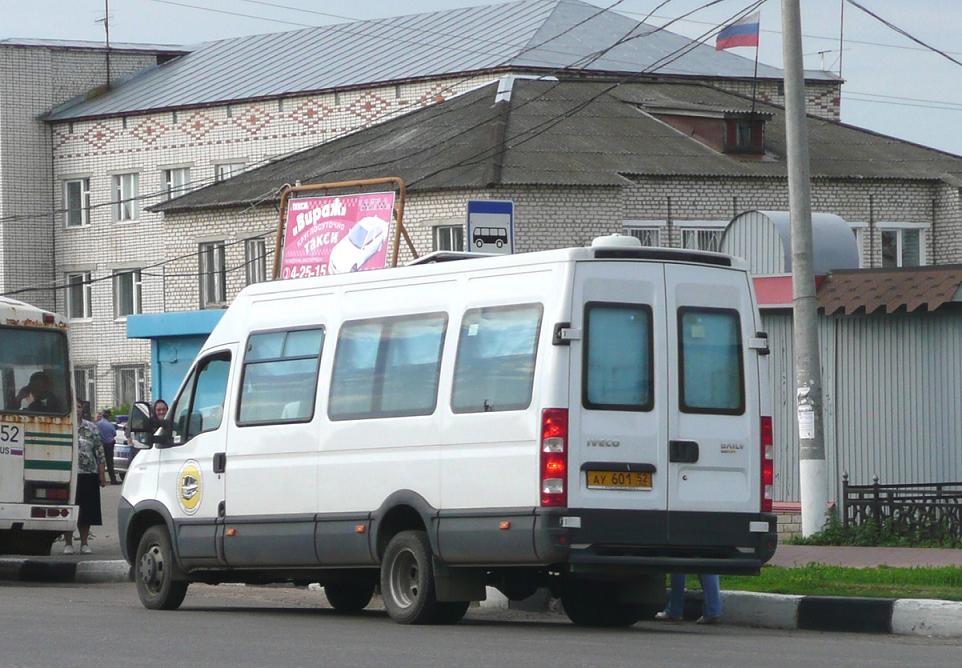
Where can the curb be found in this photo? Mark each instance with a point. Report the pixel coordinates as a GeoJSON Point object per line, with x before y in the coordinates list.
{"type": "Point", "coordinates": [910, 616]}
{"type": "Point", "coordinates": [45, 570]}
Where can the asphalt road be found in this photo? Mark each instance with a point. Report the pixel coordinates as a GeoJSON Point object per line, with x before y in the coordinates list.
{"type": "Point", "coordinates": [105, 626]}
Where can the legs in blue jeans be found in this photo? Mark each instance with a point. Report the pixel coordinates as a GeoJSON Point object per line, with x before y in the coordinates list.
{"type": "Point", "coordinates": [712, 589]}
{"type": "Point", "coordinates": [712, 599]}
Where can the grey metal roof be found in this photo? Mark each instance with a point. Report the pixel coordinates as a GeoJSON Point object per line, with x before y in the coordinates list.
{"type": "Point", "coordinates": [567, 133]}
{"type": "Point", "coordinates": [527, 34]}
{"type": "Point", "coordinates": [85, 44]}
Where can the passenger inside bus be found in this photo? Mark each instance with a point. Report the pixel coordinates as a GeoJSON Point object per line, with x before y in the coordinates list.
{"type": "Point", "coordinates": [37, 396]}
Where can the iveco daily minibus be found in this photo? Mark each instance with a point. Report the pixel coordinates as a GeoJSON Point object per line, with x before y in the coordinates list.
{"type": "Point", "coordinates": [585, 419]}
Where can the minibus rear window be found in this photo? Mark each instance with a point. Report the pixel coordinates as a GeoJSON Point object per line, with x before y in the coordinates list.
{"type": "Point", "coordinates": [711, 371]}
{"type": "Point", "coordinates": [494, 370]}
{"type": "Point", "coordinates": [618, 357]}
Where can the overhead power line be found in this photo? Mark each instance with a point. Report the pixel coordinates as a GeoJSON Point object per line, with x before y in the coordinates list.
{"type": "Point", "coordinates": [904, 33]}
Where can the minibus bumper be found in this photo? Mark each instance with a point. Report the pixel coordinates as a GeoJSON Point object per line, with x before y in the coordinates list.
{"type": "Point", "coordinates": [603, 542]}
{"type": "Point", "coordinates": [26, 517]}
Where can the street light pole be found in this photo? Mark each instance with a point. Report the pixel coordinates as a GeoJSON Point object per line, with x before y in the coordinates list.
{"type": "Point", "coordinates": [808, 375]}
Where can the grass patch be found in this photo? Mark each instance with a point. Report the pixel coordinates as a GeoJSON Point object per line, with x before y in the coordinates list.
{"type": "Point", "coordinates": [882, 582]}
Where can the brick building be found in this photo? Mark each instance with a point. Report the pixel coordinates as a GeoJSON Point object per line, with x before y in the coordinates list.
{"type": "Point", "coordinates": [189, 117]}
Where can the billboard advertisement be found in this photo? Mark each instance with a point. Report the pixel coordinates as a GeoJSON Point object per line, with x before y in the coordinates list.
{"type": "Point", "coordinates": [337, 234]}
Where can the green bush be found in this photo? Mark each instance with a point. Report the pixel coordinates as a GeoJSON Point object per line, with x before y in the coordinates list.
{"type": "Point", "coordinates": [870, 534]}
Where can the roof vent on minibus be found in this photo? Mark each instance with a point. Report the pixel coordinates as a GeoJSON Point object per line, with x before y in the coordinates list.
{"type": "Point", "coordinates": [616, 241]}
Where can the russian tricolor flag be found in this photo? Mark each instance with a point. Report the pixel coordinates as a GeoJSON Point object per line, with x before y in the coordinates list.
{"type": "Point", "coordinates": [740, 33]}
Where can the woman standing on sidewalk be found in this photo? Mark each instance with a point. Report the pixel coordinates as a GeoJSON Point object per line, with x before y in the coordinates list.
{"type": "Point", "coordinates": [91, 476]}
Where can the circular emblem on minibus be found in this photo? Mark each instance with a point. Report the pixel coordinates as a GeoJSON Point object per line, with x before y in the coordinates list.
{"type": "Point", "coordinates": [190, 487]}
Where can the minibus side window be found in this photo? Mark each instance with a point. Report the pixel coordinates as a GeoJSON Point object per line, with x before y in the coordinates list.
{"type": "Point", "coordinates": [200, 407]}
{"type": "Point", "coordinates": [279, 382]}
{"type": "Point", "coordinates": [711, 370]}
{"type": "Point", "coordinates": [494, 369]}
{"type": "Point", "coordinates": [388, 367]}
{"type": "Point", "coordinates": [618, 357]}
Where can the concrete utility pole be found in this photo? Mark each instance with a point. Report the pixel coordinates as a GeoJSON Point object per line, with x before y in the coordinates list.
{"type": "Point", "coordinates": [808, 373]}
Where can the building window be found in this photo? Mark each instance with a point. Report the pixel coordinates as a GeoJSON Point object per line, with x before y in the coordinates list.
{"type": "Point", "coordinates": [85, 385]}
{"type": "Point", "coordinates": [902, 247]}
{"type": "Point", "coordinates": [127, 293]}
{"type": "Point", "coordinates": [125, 193]}
{"type": "Point", "coordinates": [129, 385]}
{"type": "Point", "coordinates": [213, 274]}
{"type": "Point", "coordinates": [255, 260]}
{"type": "Point", "coordinates": [227, 170]}
{"type": "Point", "coordinates": [648, 236]}
{"type": "Point", "coordinates": [448, 238]}
{"type": "Point", "coordinates": [176, 181]}
{"type": "Point", "coordinates": [76, 197]}
{"type": "Point", "coordinates": [702, 239]}
{"type": "Point", "coordinates": [78, 295]}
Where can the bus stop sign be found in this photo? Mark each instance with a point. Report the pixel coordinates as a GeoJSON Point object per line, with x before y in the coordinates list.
{"type": "Point", "coordinates": [491, 226]}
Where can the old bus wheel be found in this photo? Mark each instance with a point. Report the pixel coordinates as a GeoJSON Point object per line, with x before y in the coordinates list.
{"type": "Point", "coordinates": [154, 572]}
{"type": "Point", "coordinates": [407, 580]}
{"type": "Point", "coordinates": [350, 596]}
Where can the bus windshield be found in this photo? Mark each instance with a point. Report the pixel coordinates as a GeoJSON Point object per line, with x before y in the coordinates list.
{"type": "Point", "coordinates": [33, 371]}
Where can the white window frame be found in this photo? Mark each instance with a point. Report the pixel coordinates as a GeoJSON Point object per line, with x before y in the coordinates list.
{"type": "Point", "coordinates": [900, 229]}
{"type": "Point", "coordinates": [136, 288]}
{"type": "Point", "coordinates": [140, 382]}
{"type": "Point", "coordinates": [226, 170]}
{"type": "Point", "coordinates": [125, 190]}
{"type": "Point", "coordinates": [176, 181]}
{"type": "Point", "coordinates": [648, 235]}
{"type": "Point", "coordinates": [85, 384]}
{"type": "Point", "coordinates": [700, 233]}
{"type": "Point", "coordinates": [255, 260]}
{"type": "Point", "coordinates": [443, 237]}
{"type": "Point", "coordinates": [86, 307]}
{"type": "Point", "coordinates": [212, 263]}
{"type": "Point", "coordinates": [85, 203]}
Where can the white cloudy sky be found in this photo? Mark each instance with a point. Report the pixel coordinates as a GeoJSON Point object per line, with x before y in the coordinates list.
{"type": "Point", "coordinates": [892, 85]}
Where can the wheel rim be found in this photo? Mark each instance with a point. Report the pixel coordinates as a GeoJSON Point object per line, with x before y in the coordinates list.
{"type": "Point", "coordinates": [405, 580]}
{"type": "Point", "coordinates": [152, 569]}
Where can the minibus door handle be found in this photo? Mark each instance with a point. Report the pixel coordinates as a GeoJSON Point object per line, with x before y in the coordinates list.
{"type": "Point", "coordinates": [682, 452]}
{"type": "Point", "coordinates": [220, 462]}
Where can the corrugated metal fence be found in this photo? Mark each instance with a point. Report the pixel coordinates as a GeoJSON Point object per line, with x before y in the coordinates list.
{"type": "Point", "coordinates": [892, 388]}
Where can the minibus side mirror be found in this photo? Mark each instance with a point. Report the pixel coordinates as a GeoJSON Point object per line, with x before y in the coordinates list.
{"type": "Point", "coordinates": [139, 421]}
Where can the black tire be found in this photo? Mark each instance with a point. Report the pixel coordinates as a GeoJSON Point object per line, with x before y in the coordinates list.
{"type": "Point", "coordinates": [154, 571]}
{"type": "Point", "coordinates": [499, 243]}
{"type": "Point", "coordinates": [407, 581]}
{"type": "Point", "coordinates": [479, 243]}
{"type": "Point", "coordinates": [349, 596]}
{"type": "Point", "coordinates": [596, 605]}
{"type": "Point", "coordinates": [28, 543]}
{"type": "Point", "coordinates": [451, 612]}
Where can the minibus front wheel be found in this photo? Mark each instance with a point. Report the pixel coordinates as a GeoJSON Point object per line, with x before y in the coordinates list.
{"type": "Point", "coordinates": [154, 571]}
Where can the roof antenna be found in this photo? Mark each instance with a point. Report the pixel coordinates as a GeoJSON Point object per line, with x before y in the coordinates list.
{"type": "Point", "coordinates": [106, 21]}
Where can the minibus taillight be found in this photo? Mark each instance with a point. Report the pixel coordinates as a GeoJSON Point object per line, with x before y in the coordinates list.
{"type": "Point", "coordinates": [554, 457]}
{"type": "Point", "coordinates": [768, 465]}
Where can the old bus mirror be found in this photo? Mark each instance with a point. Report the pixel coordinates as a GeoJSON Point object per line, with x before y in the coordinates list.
{"type": "Point", "coordinates": [139, 421]}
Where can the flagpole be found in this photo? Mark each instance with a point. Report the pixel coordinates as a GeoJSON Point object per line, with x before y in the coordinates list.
{"type": "Point", "coordinates": [755, 79]}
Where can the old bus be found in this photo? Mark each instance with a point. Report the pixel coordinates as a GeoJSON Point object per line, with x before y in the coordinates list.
{"type": "Point", "coordinates": [38, 455]}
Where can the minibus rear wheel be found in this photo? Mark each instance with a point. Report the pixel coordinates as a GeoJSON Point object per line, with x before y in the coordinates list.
{"type": "Point", "coordinates": [154, 571]}
{"type": "Point", "coordinates": [352, 596]}
{"type": "Point", "coordinates": [407, 581]}
{"type": "Point", "coordinates": [596, 604]}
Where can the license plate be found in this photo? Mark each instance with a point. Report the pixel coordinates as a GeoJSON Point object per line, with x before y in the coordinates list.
{"type": "Point", "coordinates": [619, 480]}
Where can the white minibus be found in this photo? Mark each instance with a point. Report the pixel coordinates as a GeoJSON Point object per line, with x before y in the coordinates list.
{"type": "Point", "coordinates": [584, 420]}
